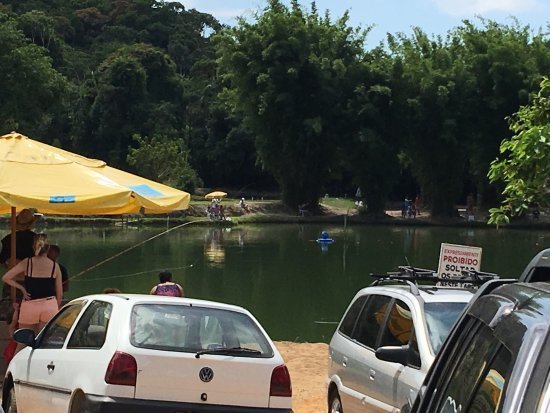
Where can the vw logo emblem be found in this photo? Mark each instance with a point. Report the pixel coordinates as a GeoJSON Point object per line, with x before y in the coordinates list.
{"type": "Point", "coordinates": [206, 374]}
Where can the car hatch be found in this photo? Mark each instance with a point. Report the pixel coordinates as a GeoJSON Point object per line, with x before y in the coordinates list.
{"type": "Point", "coordinates": [210, 379]}
{"type": "Point", "coordinates": [200, 354]}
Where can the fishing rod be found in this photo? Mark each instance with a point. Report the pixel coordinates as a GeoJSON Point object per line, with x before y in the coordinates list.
{"type": "Point", "coordinates": [131, 248]}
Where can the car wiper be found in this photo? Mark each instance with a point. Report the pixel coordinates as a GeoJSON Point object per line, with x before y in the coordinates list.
{"type": "Point", "coordinates": [227, 350]}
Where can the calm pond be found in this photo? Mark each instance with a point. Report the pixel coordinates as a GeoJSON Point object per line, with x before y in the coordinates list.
{"type": "Point", "coordinates": [278, 272]}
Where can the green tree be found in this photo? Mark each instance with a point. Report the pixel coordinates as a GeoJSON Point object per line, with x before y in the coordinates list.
{"type": "Point", "coordinates": [429, 83]}
{"type": "Point", "coordinates": [289, 73]}
{"type": "Point", "coordinates": [371, 151]}
{"type": "Point", "coordinates": [162, 158]}
{"type": "Point", "coordinates": [136, 91]}
{"type": "Point", "coordinates": [32, 90]}
{"type": "Point", "coordinates": [524, 166]}
{"type": "Point", "coordinates": [504, 64]}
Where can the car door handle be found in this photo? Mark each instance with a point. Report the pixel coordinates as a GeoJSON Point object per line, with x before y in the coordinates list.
{"type": "Point", "coordinates": [372, 374]}
{"type": "Point", "coordinates": [51, 367]}
{"type": "Point", "coordinates": [344, 361]}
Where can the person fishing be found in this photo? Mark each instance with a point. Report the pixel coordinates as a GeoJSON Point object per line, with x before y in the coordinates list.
{"type": "Point", "coordinates": [166, 286]}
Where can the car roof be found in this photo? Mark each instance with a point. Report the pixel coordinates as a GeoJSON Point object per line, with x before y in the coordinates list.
{"type": "Point", "coordinates": [515, 309]}
{"type": "Point", "coordinates": [540, 261]}
{"type": "Point", "coordinates": [132, 299]}
{"type": "Point", "coordinates": [428, 293]}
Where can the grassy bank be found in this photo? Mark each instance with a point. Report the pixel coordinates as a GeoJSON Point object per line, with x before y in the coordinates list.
{"type": "Point", "coordinates": [332, 210]}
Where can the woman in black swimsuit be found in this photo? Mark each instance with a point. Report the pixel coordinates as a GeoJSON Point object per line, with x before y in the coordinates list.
{"type": "Point", "coordinates": [42, 289]}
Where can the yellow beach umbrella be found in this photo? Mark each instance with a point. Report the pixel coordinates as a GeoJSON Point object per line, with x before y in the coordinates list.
{"type": "Point", "coordinates": [55, 181]}
{"type": "Point", "coordinates": [215, 194]}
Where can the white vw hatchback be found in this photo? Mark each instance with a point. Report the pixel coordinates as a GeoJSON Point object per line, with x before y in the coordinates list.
{"type": "Point", "coordinates": [143, 353]}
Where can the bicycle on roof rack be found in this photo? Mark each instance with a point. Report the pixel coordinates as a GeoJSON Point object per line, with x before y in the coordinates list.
{"type": "Point", "coordinates": [411, 275]}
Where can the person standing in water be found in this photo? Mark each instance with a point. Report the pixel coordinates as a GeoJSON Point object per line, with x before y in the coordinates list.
{"type": "Point", "coordinates": [166, 286]}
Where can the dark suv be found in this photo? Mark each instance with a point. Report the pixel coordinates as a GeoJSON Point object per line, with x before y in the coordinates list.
{"type": "Point", "coordinates": [538, 268]}
{"type": "Point", "coordinates": [497, 357]}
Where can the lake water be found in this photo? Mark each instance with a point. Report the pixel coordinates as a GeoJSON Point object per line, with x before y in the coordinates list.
{"type": "Point", "coordinates": [278, 272]}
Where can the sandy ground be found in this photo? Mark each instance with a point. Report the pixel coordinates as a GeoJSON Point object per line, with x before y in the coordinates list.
{"type": "Point", "coordinates": [307, 364]}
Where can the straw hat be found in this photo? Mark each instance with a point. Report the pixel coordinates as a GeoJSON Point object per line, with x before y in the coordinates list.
{"type": "Point", "coordinates": [25, 219]}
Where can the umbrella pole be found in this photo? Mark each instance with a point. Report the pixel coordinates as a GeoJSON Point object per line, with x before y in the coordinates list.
{"type": "Point", "coordinates": [13, 246]}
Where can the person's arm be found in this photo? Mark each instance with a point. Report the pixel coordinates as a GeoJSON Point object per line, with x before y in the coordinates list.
{"type": "Point", "coordinates": [11, 275]}
{"type": "Point", "coordinates": [58, 285]}
{"type": "Point", "coordinates": [153, 290]}
{"type": "Point", "coordinates": [181, 290]}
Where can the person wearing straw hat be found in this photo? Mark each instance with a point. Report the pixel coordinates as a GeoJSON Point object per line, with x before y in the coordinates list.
{"type": "Point", "coordinates": [24, 238]}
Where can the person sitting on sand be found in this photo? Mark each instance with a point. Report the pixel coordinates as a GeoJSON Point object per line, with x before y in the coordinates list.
{"type": "Point", "coordinates": [166, 286]}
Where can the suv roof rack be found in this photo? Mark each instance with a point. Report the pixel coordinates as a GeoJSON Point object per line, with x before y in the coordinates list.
{"type": "Point", "coordinates": [411, 275]}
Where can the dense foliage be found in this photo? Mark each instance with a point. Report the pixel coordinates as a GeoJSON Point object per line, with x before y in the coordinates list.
{"type": "Point", "coordinates": [290, 100]}
{"type": "Point", "coordinates": [525, 166]}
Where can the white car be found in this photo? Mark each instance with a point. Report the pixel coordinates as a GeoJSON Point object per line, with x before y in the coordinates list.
{"type": "Point", "coordinates": [144, 353]}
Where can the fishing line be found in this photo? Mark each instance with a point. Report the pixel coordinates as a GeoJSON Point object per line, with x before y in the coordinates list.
{"type": "Point", "coordinates": [110, 277]}
{"type": "Point", "coordinates": [131, 248]}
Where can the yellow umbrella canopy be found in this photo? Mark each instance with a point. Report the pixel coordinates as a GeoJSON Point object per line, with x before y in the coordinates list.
{"type": "Point", "coordinates": [37, 175]}
{"type": "Point", "coordinates": [215, 194]}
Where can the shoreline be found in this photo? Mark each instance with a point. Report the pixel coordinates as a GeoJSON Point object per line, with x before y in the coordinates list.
{"type": "Point", "coordinates": [263, 218]}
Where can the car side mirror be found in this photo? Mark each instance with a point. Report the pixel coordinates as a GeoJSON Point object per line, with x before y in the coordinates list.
{"type": "Point", "coordinates": [25, 336]}
{"type": "Point", "coordinates": [397, 354]}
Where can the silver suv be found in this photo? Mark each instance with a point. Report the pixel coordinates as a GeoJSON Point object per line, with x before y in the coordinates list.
{"type": "Point", "coordinates": [387, 340]}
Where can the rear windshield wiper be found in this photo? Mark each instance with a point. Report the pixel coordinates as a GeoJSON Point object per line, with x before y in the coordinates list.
{"type": "Point", "coordinates": [227, 350]}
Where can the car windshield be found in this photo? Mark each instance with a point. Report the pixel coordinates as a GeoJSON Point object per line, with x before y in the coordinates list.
{"type": "Point", "coordinates": [440, 317]}
{"type": "Point", "coordinates": [199, 330]}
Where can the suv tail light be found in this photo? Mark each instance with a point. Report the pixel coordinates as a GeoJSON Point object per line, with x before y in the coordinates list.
{"type": "Point", "coordinates": [280, 382]}
{"type": "Point", "coordinates": [122, 370]}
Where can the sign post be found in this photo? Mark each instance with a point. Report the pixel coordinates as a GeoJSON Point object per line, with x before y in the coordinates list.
{"type": "Point", "coordinates": [453, 259]}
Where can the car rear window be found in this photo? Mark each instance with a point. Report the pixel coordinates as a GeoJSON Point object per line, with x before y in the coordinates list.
{"type": "Point", "coordinates": [440, 317]}
{"type": "Point", "coordinates": [192, 329]}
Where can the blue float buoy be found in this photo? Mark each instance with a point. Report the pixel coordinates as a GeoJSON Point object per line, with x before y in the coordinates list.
{"type": "Point", "coordinates": [325, 239]}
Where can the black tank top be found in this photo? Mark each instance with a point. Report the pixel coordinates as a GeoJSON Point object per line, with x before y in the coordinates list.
{"type": "Point", "coordinates": [39, 287]}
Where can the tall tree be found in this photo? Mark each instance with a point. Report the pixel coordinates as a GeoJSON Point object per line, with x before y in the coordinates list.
{"type": "Point", "coordinates": [430, 85]}
{"type": "Point", "coordinates": [289, 73]}
{"type": "Point", "coordinates": [371, 151]}
{"type": "Point", "coordinates": [504, 65]}
{"type": "Point", "coordinates": [137, 91]}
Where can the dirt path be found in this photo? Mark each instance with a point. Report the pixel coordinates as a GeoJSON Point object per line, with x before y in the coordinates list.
{"type": "Point", "coordinates": [307, 364]}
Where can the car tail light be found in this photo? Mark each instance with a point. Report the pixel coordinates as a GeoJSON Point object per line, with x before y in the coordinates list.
{"type": "Point", "coordinates": [280, 382]}
{"type": "Point", "coordinates": [122, 370]}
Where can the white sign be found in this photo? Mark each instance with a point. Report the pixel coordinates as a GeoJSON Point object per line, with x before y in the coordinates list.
{"type": "Point", "coordinates": [453, 259]}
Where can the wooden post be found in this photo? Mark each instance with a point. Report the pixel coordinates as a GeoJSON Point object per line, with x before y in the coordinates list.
{"type": "Point", "coordinates": [13, 246]}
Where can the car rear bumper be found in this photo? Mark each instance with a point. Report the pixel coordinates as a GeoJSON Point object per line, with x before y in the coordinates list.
{"type": "Point", "coordinates": [102, 404]}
